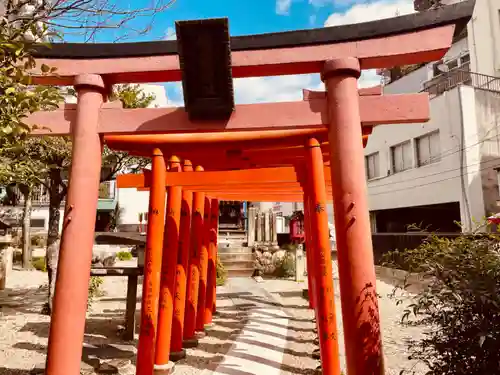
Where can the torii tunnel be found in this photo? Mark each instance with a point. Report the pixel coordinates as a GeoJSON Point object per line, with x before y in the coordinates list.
{"type": "Point", "coordinates": [309, 151]}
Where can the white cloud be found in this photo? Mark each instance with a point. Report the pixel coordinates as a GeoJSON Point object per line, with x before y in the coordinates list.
{"type": "Point", "coordinates": [283, 7]}
{"type": "Point", "coordinates": [322, 3]}
{"type": "Point", "coordinates": [273, 89]}
{"type": "Point", "coordinates": [371, 11]}
{"type": "Point", "coordinates": [170, 34]}
{"type": "Point", "coordinates": [289, 88]}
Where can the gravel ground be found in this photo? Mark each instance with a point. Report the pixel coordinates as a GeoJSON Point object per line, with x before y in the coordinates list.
{"type": "Point", "coordinates": [394, 335]}
{"type": "Point", "coordinates": [24, 332]}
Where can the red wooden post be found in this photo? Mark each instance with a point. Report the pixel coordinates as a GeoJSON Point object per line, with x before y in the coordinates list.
{"type": "Point", "coordinates": [168, 275]}
{"type": "Point", "coordinates": [193, 282]}
{"type": "Point", "coordinates": [352, 224]}
{"type": "Point", "coordinates": [182, 266]}
{"type": "Point", "coordinates": [215, 223]}
{"type": "Point", "coordinates": [309, 245]}
{"type": "Point", "coordinates": [71, 292]}
{"type": "Point", "coordinates": [323, 288]}
{"type": "Point", "coordinates": [212, 259]}
{"type": "Point", "coordinates": [152, 266]}
{"type": "Point", "coordinates": [203, 265]}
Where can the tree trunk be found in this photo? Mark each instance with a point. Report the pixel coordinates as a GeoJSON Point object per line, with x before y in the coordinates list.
{"type": "Point", "coordinates": [26, 229]}
{"type": "Point", "coordinates": [56, 195]}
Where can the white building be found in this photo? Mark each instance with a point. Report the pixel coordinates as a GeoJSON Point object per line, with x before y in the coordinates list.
{"type": "Point", "coordinates": [433, 173]}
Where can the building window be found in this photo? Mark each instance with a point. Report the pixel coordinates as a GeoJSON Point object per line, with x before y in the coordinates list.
{"type": "Point", "coordinates": [372, 165]}
{"type": "Point", "coordinates": [401, 157]}
{"type": "Point", "coordinates": [428, 149]}
{"type": "Point", "coordinates": [465, 59]}
{"type": "Point", "coordinates": [37, 223]}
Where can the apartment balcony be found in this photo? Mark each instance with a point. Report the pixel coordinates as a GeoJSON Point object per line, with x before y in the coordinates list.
{"type": "Point", "coordinates": [460, 76]}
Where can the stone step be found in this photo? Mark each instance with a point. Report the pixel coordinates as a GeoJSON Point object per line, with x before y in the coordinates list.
{"type": "Point", "coordinates": [232, 238]}
{"type": "Point", "coordinates": [238, 264]}
{"type": "Point", "coordinates": [232, 230]}
{"type": "Point", "coordinates": [228, 245]}
{"type": "Point", "coordinates": [240, 272]}
{"type": "Point", "coordinates": [241, 256]}
{"type": "Point", "coordinates": [234, 249]}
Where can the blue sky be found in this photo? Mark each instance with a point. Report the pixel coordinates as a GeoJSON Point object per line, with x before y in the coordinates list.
{"type": "Point", "coordinates": [261, 16]}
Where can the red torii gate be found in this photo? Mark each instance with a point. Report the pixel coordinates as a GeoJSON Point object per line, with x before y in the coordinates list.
{"type": "Point", "coordinates": [334, 117]}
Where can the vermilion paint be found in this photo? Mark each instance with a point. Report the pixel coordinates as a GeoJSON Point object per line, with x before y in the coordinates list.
{"type": "Point", "coordinates": [169, 268]}
{"type": "Point", "coordinates": [152, 268]}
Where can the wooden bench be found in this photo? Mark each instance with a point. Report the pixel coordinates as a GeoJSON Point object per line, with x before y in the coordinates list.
{"type": "Point", "coordinates": [132, 273]}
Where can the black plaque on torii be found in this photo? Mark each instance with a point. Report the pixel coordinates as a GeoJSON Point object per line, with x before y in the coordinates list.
{"type": "Point", "coordinates": [205, 61]}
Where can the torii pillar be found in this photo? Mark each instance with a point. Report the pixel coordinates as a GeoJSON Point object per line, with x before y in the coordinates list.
{"type": "Point", "coordinates": [70, 299]}
{"type": "Point", "coordinates": [360, 312]}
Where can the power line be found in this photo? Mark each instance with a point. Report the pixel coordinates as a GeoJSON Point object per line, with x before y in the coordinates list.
{"type": "Point", "coordinates": [445, 171]}
{"type": "Point", "coordinates": [437, 181]}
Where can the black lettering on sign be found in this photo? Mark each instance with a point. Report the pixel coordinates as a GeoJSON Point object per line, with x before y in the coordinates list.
{"type": "Point", "coordinates": [177, 296]}
{"type": "Point", "coordinates": [171, 212]}
{"type": "Point", "coordinates": [155, 211]}
{"type": "Point", "coordinates": [328, 336]}
{"type": "Point", "coordinates": [319, 208]}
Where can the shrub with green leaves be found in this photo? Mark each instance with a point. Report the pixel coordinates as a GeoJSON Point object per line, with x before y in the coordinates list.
{"type": "Point", "coordinates": [459, 304]}
{"type": "Point", "coordinates": [95, 291]}
{"type": "Point", "coordinates": [221, 273]}
{"type": "Point", "coordinates": [39, 240]}
{"type": "Point", "coordinates": [39, 264]}
{"type": "Point", "coordinates": [124, 255]}
{"type": "Point", "coordinates": [285, 266]}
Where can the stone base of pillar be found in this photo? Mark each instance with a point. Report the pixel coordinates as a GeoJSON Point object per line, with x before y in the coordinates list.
{"type": "Point", "coordinates": [190, 343]}
{"type": "Point", "coordinates": [305, 294]}
{"type": "Point", "coordinates": [200, 334]}
{"type": "Point", "coordinates": [164, 369]}
{"type": "Point", "coordinates": [177, 356]}
{"type": "Point", "coordinates": [316, 354]}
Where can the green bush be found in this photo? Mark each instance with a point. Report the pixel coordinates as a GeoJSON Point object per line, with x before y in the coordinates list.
{"type": "Point", "coordinates": [38, 240]}
{"type": "Point", "coordinates": [95, 291]}
{"type": "Point", "coordinates": [285, 267]}
{"type": "Point", "coordinates": [289, 247]}
{"type": "Point", "coordinates": [221, 273]}
{"type": "Point", "coordinates": [459, 304]}
{"type": "Point", "coordinates": [39, 264]}
{"type": "Point", "coordinates": [124, 255]}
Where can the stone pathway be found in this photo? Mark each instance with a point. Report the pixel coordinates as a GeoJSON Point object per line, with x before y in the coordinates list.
{"type": "Point", "coordinates": [260, 328]}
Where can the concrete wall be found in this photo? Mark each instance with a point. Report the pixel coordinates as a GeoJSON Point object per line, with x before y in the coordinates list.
{"type": "Point", "coordinates": [131, 203]}
{"type": "Point", "coordinates": [484, 37]}
{"type": "Point", "coordinates": [430, 184]}
{"type": "Point", "coordinates": [488, 122]}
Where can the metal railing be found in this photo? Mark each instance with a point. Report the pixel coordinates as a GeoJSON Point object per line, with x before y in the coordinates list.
{"type": "Point", "coordinates": [460, 76]}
